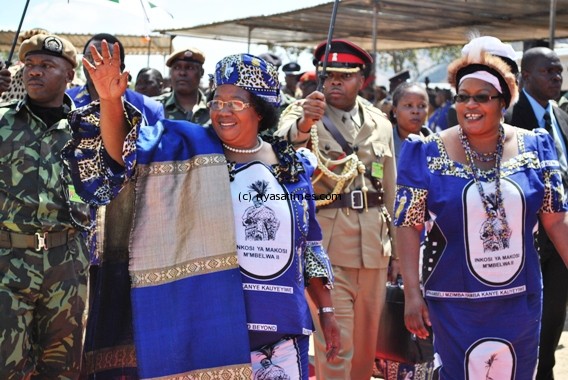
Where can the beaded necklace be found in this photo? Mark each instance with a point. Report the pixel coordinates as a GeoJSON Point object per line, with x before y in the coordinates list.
{"type": "Point", "coordinates": [483, 157]}
{"type": "Point", "coordinates": [495, 232]}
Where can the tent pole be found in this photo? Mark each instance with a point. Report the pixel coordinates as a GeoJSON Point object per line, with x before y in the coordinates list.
{"type": "Point", "coordinates": [249, 37]}
{"type": "Point", "coordinates": [374, 36]}
{"type": "Point", "coordinates": [149, 51]}
{"type": "Point", "coordinates": [552, 23]}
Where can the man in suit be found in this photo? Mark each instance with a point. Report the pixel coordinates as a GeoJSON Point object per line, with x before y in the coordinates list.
{"type": "Point", "coordinates": [541, 76]}
{"type": "Point", "coordinates": [355, 226]}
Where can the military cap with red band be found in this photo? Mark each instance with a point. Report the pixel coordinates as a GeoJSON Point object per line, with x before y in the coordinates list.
{"type": "Point", "coordinates": [344, 56]}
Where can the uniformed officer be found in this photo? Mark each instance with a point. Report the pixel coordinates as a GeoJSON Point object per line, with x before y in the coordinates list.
{"type": "Point", "coordinates": [43, 256]}
{"type": "Point", "coordinates": [355, 140]}
{"type": "Point", "coordinates": [186, 101]}
{"type": "Point", "coordinates": [292, 72]}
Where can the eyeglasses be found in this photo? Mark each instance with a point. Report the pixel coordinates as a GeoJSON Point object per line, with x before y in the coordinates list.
{"type": "Point", "coordinates": [233, 105]}
{"type": "Point", "coordinates": [480, 98]}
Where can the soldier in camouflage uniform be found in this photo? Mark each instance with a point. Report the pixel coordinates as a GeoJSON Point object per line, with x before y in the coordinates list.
{"type": "Point", "coordinates": [186, 101]}
{"type": "Point", "coordinates": [43, 257]}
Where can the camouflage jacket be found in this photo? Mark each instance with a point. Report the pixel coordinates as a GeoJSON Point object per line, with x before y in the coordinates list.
{"type": "Point", "coordinates": [199, 114]}
{"type": "Point", "coordinates": [36, 191]}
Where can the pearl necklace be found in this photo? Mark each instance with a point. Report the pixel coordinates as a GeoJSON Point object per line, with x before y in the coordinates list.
{"type": "Point", "coordinates": [246, 151]}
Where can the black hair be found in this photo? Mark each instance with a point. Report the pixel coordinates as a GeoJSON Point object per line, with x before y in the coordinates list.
{"type": "Point", "coordinates": [267, 112]}
{"type": "Point", "coordinates": [150, 70]}
{"type": "Point", "coordinates": [111, 41]}
{"type": "Point", "coordinates": [401, 88]}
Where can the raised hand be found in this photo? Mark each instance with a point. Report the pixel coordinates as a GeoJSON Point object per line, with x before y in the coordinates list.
{"type": "Point", "coordinates": [314, 107]}
{"type": "Point", "coordinates": [105, 72]}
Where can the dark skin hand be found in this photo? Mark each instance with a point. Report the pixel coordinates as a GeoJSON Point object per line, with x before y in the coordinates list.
{"type": "Point", "coordinates": [314, 108]}
{"type": "Point", "coordinates": [320, 295]}
{"type": "Point", "coordinates": [5, 79]}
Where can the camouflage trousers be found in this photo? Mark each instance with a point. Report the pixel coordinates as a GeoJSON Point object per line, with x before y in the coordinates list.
{"type": "Point", "coordinates": [42, 302]}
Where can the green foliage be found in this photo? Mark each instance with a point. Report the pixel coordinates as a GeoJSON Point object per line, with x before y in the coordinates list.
{"type": "Point", "coordinates": [445, 53]}
{"type": "Point", "coordinates": [398, 60]}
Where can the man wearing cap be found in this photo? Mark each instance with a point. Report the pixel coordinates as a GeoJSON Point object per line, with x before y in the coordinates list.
{"type": "Point", "coordinates": [292, 72]}
{"type": "Point", "coordinates": [541, 71]}
{"type": "Point", "coordinates": [11, 82]}
{"type": "Point", "coordinates": [151, 110]}
{"type": "Point", "coordinates": [356, 224]}
{"type": "Point", "coordinates": [186, 101]}
{"type": "Point", "coordinates": [308, 83]}
{"type": "Point", "coordinates": [43, 257]}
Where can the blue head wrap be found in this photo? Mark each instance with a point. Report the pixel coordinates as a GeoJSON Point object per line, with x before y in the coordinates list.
{"type": "Point", "coordinates": [252, 74]}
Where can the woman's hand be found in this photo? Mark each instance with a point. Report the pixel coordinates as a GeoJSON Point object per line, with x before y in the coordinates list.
{"type": "Point", "coordinates": [105, 72]}
{"type": "Point", "coordinates": [394, 270]}
{"type": "Point", "coordinates": [416, 316]}
{"type": "Point", "coordinates": [331, 334]}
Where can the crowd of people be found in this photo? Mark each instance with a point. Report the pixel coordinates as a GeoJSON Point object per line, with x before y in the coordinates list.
{"type": "Point", "coordinates": [166, 230]}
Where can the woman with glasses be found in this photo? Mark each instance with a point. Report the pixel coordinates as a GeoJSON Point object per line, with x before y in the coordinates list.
{"type": "Point", "coordinates": [224, 238]}
{"type": "Point", "coordinates": [479, 189]}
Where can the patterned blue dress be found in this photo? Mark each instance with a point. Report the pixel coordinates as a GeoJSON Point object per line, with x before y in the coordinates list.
{"type": "Point", "coordinates": [483, 293]}
{"type": "Point", "coordinates": [220, 253]}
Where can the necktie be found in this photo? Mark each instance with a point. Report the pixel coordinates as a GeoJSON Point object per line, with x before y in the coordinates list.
{"type": "Point", "coordinates": [548, 123]}
{"type": "Point", "coordinates": [558, 147]}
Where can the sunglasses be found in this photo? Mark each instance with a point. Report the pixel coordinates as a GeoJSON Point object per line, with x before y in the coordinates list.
{"type": "Point", "coordinates": [233, 105]}
{"type": "Point", "coordinates": [480, 98]}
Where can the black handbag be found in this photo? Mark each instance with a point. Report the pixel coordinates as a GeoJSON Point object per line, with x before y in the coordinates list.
{"type": "Point", "coordinates": [395, 342]}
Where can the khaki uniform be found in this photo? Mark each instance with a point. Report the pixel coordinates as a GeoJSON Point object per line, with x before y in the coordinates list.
{"type": "Point", "coordinates": [358, 242]}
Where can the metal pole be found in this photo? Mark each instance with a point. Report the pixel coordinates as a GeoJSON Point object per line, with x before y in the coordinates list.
{"type": "Point", "coordinates": [249, 37]}
{"type": "Point", "coordinates": [552, 24]}
{"type": "Point", "coordinates": [149, 51]}
{"type": "Point", "coordinates": [374, 36]}
{"type": "Point", "coordinates": [9, 61]}
{"type": "Point", "coordinates": [323, 73]}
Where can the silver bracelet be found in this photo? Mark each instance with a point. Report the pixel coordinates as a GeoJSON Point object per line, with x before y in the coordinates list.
{"type": "Point", "coordinates": [328, 309]}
